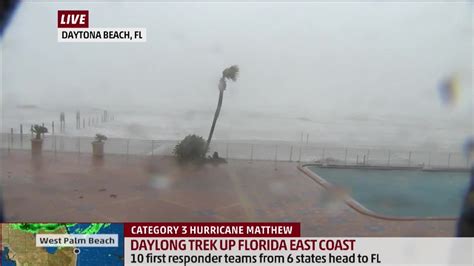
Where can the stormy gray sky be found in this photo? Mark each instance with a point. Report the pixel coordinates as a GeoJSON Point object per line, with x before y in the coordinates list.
{"type": "Point", "coordinates": [308, 59]}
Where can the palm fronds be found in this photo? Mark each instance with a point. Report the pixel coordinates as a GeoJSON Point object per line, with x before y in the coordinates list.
{"type": "Point", "coordinates": [231, 72]}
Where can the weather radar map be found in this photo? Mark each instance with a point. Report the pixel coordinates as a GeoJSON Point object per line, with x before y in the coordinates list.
{"type": "Point", "coordinates": [19, 245]}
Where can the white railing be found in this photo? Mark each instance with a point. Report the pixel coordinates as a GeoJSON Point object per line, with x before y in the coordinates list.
{"type": "Point", "coordinates": [261, 150]}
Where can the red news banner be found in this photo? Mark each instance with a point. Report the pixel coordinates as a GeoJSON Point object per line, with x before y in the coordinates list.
{"type": "Point", "coordinates": [280, 244]}
{"type": "Point", "coordinates": [212, 230]}
{"type": "Point", "coordinates": [231, 243]}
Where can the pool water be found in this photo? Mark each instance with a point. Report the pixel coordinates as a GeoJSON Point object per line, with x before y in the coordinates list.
{"type": "Point", "coordinates": [402, 193]}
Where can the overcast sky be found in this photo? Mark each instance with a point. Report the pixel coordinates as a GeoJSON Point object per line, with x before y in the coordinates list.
{"type": "Point", "coordinates": [313, 59]}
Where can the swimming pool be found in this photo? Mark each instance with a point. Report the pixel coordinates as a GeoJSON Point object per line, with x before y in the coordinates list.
{"type": "Point", "coordinates": [401, 193]}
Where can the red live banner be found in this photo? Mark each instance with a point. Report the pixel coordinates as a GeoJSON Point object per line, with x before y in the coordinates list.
{"type": "Point", "coordinates": [207, 230]}
{"type": "Point", "coordinates": [73, 18]}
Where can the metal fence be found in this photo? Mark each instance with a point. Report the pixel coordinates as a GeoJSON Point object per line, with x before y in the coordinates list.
{"type": "Point", "coordinates": [268, 151]}
{"type": "Point", "coordinates": [340, 155]}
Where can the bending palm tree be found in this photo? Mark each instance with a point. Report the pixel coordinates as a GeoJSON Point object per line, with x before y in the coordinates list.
{"type": "Point", "coordinates": [228, 73]}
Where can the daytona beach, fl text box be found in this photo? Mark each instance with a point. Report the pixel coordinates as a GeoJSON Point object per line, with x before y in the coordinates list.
{"type": "Point", "coordinates": [102, 35]}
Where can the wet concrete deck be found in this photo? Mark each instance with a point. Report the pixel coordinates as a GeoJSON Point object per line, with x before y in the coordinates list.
{"type": "Point", "coordinates": [71, 187]}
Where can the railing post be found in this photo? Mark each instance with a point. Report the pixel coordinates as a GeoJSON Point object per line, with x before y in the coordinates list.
{"type": "Point", "coordinates": [227, 151]}
{"type": "Point", "coordinates": [276, 153]}
{"type": "Point", "coordinates": [152, 148]}
{"type": "Point", "coordinates": [55, 149]}
{"type": "Point", "coordinates": [52, 127]}
{"type": "Point", "coordinates": [21, 135]}
{"type": "Point", "coordinates": [345, 157]}
{"type": "Point", "coordinates": [79, 148]}
{"type": "Point", "coordinates": [291, 153]}
{"type": "Point", "coordinates": [61, 143]}
{"type": "Point", "coordinates": [8, 143]}
{"type": "Point", "coordinates": [128, 146]}
{"type": "Point", "coordinates": [251, 152]}
{"type": "Point", "coordinates": [276, 156]}
{"type": "Point", "coordinates": [299, 156]}
{"type": "Point", "coordinates": [11, 136]}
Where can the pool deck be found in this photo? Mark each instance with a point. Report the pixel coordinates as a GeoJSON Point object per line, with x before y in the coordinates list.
{"type": "Point", "coordinates": [72, 187]}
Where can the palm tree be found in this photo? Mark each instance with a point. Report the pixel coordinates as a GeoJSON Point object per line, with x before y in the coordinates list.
{"type": "Point", "coordinates": [228, 73]}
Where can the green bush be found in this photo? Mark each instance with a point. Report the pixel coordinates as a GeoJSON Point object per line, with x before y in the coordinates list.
{"type": "Point", "coordinates": [100, 138]}
{"type": "Point", "coordinates": [191, 148]}
{"type": "Point", "coordinates": [38, 131]}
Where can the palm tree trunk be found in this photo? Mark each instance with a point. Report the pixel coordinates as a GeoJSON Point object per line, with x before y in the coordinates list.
{"type": "Point", "coordinates": [216, 115]}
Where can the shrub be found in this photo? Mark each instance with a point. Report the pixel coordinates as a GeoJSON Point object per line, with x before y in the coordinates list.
{"type": "Point", "coordinates": [100, 137]}
{"type": "Point", "coordinates": [191, 148]}
{"type": "Point", "coordinates": [38, 131]}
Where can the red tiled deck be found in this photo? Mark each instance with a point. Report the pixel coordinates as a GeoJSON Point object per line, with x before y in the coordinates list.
{"type": "Point", "coordinates": [70, 187]}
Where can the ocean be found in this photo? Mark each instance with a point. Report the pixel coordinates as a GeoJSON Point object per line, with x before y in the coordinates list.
{"type": "Point", "coordinates": [374, 131]}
